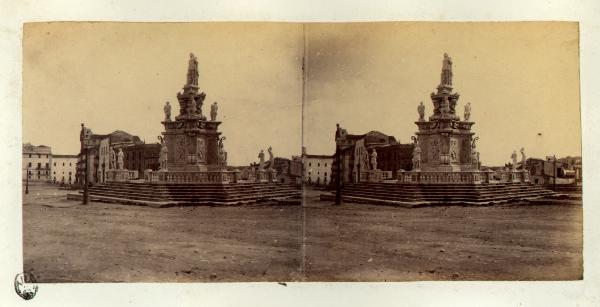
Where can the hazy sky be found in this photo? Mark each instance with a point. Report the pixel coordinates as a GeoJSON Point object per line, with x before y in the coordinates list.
{"type": "Point", "coordinates": [119, 75]}
{"type": "Point", "coordinates": [521, 79]}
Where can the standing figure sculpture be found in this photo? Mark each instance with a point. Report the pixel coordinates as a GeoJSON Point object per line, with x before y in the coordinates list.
{"type": "Point", "coordinates": [467, 111]}
{"type": "Point", "coordinates": [213, 112]}
{"type": "Point", "coordinates": [446, 71]}
{"type": "Point", "coordinates": [523, 160]}
{"type": "Point", "coordinates": [120, 159]}
{"type": "Point", "coordinates": [270, 151]}
{"type": "Point", "coordinates": [222, 153]}
{"type": "Point", "coordinates": [374, 159]}
{"type": "Point", "coordinates": [514, 160]}
{"type": "Point", "coordinates": [445, 106]}
{"type": "Point", "coordinates": [192, 75]}
{"type": "Point", "coordinates": [113, 159]}
{"type": "Point", "coordinates": [261, 158]}
{"type": "Point", "coordinates": [416, 160]}
{"type": "Point", "coordinates": [474, 157]}
{"type": "Point", "coordinates": [167, 109]}
{"type": "Point", "coordinates": [162, 160]}
{"type": "Point", "coordinates": [421, 110]}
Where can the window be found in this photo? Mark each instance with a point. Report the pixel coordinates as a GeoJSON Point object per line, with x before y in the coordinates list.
{"type": "Point", "coordinates": [318, 164]}
{"type": "Point", "coordinates": [309, 165]}
{"type": "Point", "coordinates": [54, 163]}
{"type": "Point", "coordinates": [39, 156]}
{"type": "Point", "coordinates": [29, 164]}
{"type": "Point", "coordinates": [30, 155]}
{"type": "Point", "coordinates": [69, 163]}
{"type": "Point", "coordinates": [325, 164]}
{"type": "Point", "coordinates": [39, 165]}
{"type": "Point", "coordinates": [47, 165]}
{"type": "Point", "coordinates": [63, 163]}
{"type": "Point", "coordinates": [325, 174]}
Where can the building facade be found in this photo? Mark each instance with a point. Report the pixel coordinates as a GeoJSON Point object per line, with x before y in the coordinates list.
{"type": "Point", "coordinates": [99, 155]}
{"type": "Point", "coordinates": [64, 168]}
{"type": "Point", "coordinates": [36, 163]}
{"type": "Point", "coordinates": [141, 157]}
{"type": "Point", "coordinates": [317, 169]}
{"type": "Point", "coordinates": [355, 155]}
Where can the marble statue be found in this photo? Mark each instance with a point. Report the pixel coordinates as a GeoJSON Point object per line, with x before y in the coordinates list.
{"type": "Point", "coordinates": [514, 159]}
{"type": "Point", "coordinates": [270, 151]}
{"type": "Point", "coordinates": [120, 159]}
{"type": "Point", "coordinates": [416, 160]}
{"type": "Point", "coordinates": [167, 110]}
{"type": "Point", "coordinates": [113, 159]}
{"type": "Point", "coordinates": [222, 152]}
{"type": "Point", "coordinates": [162, 160]}
{"type": "Point", "coordinates": [523, 158]}
{"type": "Point", "coordinates": [446, 70]}
{"type": "Point", "coordinates": [213, 111]}
{"type": "Point", "coordinates": [374, 159]}
{"type": "Point", "coordinates": [199, 101]}
{"type": "Point", "coordinates": [192, 75]}
{"type": "Point", "coordinates": [467, 111]}
{"type": "Point", "coordinates": [261, 158]}
{"type": "Point", "coordinates": [421, 110]}
{"type": "Point", "coordinates": [445, 106]}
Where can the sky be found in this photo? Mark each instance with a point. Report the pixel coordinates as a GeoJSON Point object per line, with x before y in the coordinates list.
{"type": "Point", "coordinates": [119, 75]}
{"type": "Point", "coordinates": [522, 80]}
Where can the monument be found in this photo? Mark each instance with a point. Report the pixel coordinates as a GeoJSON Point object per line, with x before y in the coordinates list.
{"type": "Point", "coordinates": [193, 163]}
{"type": "Point", "coordinates": [446, 166]}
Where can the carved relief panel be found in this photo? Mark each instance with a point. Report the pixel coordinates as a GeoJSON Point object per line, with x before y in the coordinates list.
{"type": "Point", "coordinates": [434, 150]}
{"type": "Point", "coordinates": [179, 148]}
{"type": "Point", "coordinates": [453, 150]}
{"type": "Point", "coordinates": [201, 150]}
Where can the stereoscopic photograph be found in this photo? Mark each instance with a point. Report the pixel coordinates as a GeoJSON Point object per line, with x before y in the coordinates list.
{"type": "Point", "coordinates": [293, 152]}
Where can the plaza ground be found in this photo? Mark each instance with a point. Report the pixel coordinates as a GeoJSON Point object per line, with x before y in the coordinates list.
{"type": "Point", "coordinates": [64, 241]}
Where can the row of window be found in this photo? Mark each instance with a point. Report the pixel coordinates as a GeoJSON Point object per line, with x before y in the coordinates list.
{"type": "Point", "coordinates": [39, 156]}
{"type": "Point", "coordinates": [63, 164]}
{"type": "Point", "coordinates": [54, 173]}
{"type": "Point", "coordinates": [318, 173]}
{"type": "Point", "coordinates": [39, 165]}
{"type": "Point", "coordinates": [318, 164]}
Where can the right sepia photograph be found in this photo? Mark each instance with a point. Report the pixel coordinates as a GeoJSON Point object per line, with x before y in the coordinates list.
{"type": "Point", "coordinates": [442, 151]}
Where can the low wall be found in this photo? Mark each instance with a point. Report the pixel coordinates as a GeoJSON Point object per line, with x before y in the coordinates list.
{"type": "Point", "coordinates": [467, 177]}
{"type": "Point", "coordinates": [208, 176]}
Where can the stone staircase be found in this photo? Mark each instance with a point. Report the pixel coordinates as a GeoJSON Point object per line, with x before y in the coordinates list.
{"type": "Point", "coordinates": [165, 194]}
{"type": "Point", "coordinates": [414, 195]}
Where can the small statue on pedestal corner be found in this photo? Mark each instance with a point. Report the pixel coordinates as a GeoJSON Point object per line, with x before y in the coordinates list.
{"type": "Point", "coordinates": [112, 159]}
{"type": "Point", "coordinates": [374, 159]}
{"type": "Point", "coordinates": [167, 110]}
{"type": "Point", "coordinates": [523, 158]}
{"type": "Point", "coordinates": [213, 111]}
{"type": "Point", "coordinates": [416, 157]}
{"type": "Point", "coordinates": [445, 106]}
{"type": "Point", "coordinates": [270, 151]}
{"type": "Point", "coordinates": [261, 158]}
{"type": "Point", "coordinates": [120, 156]}
{"type": "Point", "coordinates": [514, 159]}
{"type": "Point", "coordinates": [467, 111]}
{"type": "Point", "coordinates": [421, 110]}
{"type": "Point", "coordinates": [163, 156]}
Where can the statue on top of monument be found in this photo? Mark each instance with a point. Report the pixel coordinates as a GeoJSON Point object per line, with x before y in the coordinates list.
{"type": "Point", "coordinates": [421, 110]}
{"type": "Point", "coordinates": [416, 160]}
{"type": "Point", "coordinates": [167, 110]}
{"type": "Point", "coordinates": [523, 158]}
{"type": "Point", "coordinates": [261, 158]}
{"type": "Point", "coordinates": [445, 106]}
{"type": "Point", "coordinates": [213, 111]}
{"type": "Point", "coordinates": [514, 159]}
{"type": "Point", "coordinates": [120, 159]}
{"type": "Point", "coordinates": [467, 111]}
{"type": "Point", "coordinates": [192, 75]}
{"type": "Point", "coordinates": [374, 159]}
{"type": "Point", "coordinates": [446, 71]}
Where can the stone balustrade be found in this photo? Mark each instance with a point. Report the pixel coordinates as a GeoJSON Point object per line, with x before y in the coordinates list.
{"type": "Point", "coordinates": [461, 177]}
{"type": "Point", "coordinates": [121, 175]}
{"type": "Point", "coordinates": [192, 176]}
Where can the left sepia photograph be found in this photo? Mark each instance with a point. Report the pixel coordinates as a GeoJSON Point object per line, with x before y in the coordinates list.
{"type": "Point", "coordinates": [162, 152]}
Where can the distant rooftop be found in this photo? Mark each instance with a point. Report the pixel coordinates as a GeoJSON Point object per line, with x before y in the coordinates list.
{"type": "Point", "coordinates": [36, 149]}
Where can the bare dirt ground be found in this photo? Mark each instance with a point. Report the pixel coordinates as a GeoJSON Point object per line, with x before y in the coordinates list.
{"type": "Point", "coordinates": [360, 242]}
{"type": "Point", "coordinates": [64, 241]}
